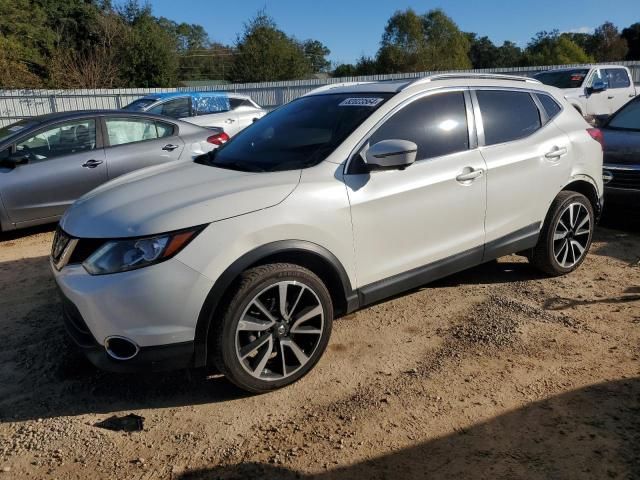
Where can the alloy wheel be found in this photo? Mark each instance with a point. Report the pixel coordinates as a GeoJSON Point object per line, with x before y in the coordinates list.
{"type": "Point", "coordinates": [571, 235]}
{"type": "Point", "coordinates": [279, 331]}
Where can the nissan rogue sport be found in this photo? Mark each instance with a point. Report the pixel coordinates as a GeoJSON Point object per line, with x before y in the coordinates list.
{"type": "Point", "coordinates": [341, 198]}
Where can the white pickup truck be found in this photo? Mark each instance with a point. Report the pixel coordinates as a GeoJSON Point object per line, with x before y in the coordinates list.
{"type": "Point", "coordinates": [595, 91]}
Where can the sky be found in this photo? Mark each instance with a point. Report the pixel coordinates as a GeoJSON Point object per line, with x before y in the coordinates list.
{"type": "Point", "coordinates": [351, 28]}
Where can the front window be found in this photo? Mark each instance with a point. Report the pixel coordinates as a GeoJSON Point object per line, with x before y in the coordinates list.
{"type": "Point", "coordinates": [298, 135]}
{"type": "Point", "coordinates": [564, 78]}
{"type": "Point", "coordinates": [140, 105]}
{"type": "Point", "coordinates": [64, 139]}
{"type": "Point", "coordinates": [628, 118]}
{"type": "Point", "coordinates": [617, 78]}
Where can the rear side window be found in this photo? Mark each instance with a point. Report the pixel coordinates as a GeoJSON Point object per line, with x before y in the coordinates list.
{"type": "Point", "coordinates": [617, 78]}
{"type": "Point", "coordinates": [507, 116]}
{"type": "Point", "coordinates": [121, 131]}
{"type": "Point", "coordinates": [176, 108]}
{"type": "Point", "coordinates": [437, 124]}
{"type": "Point", "coordinates": [550, 106]}
{"type": "Point", "coordinates": [628, 118]}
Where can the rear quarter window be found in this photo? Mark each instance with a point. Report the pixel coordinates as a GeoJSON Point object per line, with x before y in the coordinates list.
{"type": "Point", "coordinates": [551, 107]}
{"type": "Point", "coordinates": [507, 115]}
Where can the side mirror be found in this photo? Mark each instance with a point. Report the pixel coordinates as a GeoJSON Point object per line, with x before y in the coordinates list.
{"type": "Point", "coordinates": [15, 159]}
{"type": "Point", "coordinates": [391, 154]}
{"type": "Point", "coordinates": [598, 86]}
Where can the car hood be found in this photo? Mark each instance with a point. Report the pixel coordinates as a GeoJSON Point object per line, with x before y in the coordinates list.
{"type": "Point", "coordinates": [621, 146]}
{"type": "Point", "coordinates": [171, 197]}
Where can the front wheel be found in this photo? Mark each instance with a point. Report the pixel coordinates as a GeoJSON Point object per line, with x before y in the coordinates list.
{"type": "Point", "coordinates": [275, 329]}
{"type": "Point", "coordinates": [566, 235]}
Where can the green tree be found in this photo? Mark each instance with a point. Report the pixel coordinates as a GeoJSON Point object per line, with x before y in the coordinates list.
{"type": "Point", "coordinates": [632, 35]}
{"type": "Point", "coordinates": [608, 45]}
{"type": "Point", "coordinates": [413, 42]}
{"type": "Point", "coordinates": [265, 53]}
{"type": "Point", "coordinates": [316, 53]}
{"type": "Point", "coordinates": [148, 51]}
{"type": "Point", "coordinates": [509, 55]}
{"type": "Point", "coordinates": [345, 70]}
{"type": "Point", "coordinates": [551, 48]}
{"type": "Point", "coordinates": [482, 52]}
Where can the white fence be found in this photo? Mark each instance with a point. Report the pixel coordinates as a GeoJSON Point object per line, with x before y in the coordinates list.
{"type": "Point", "coordinates": [18, 104]}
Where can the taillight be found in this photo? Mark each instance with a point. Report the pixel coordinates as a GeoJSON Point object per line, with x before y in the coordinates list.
{"type": "Point", "coordinates": [597, 135]}
{"type": "Point", "coordinates": [218, 139]}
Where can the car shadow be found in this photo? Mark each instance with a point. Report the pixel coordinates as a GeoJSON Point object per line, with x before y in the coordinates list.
{"type": "Point", "coordinates": [42, 374]}
{"type": "Point", "coordinates": [26, 232]}
{"type": "Point", "coordinates": [590, 433]}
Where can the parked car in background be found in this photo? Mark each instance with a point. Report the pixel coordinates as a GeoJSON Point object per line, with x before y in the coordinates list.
{"type": "Point", "coordinates": [595, 91]}
{"type": "Point", "coordinates": [336, 200]}
{"type": "Point", "coordinates": [47, 162]}
{"type": "Point", "coordinates": [621, 169]}
{"type": "Point", "coordinates": [230, 111]}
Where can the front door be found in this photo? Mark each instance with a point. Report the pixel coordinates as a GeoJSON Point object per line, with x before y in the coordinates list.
{"type": "Point", "coordinates": [65, 162]}
{"type": "Point", "coordinates": [431, 213]}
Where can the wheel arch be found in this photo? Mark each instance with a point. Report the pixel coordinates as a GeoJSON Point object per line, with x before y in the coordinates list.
{"type": "Point", "coordinates": [306, 254]}
{"type": "Point", "coordinates": [586, 187]}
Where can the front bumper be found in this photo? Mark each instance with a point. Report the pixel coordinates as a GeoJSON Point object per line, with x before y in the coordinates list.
{"type": "Point", "coordinates": [156, 307]}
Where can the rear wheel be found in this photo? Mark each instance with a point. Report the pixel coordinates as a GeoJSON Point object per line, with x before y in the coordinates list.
{"type": "Point", "coordinates": [566, 235]}
{"type": "Point", "coordinates": [275, 329]}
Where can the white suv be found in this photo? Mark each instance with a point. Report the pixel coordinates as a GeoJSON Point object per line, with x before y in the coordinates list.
{"type": "Point", "coordinates": [337, 200]}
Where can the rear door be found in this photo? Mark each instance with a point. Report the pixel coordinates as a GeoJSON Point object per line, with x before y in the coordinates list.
{"type": "Point", "coordinates": [66, 160]}
{"type": "Point", "coordinates": [620, 88]}
{"type": "Point", "coordinates": [528, 161]}
{"type": "Point", "coordinates": [132, 143]}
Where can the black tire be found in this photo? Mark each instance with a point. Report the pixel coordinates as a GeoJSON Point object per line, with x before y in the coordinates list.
{"type": "Point", "coordinates": [251, 283]}
{"type": "Point", "coordinates": [543, 256]}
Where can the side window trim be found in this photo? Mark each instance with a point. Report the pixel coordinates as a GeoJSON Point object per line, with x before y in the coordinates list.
{"type": "Point", "coordinates": [542, 112]}
{"type": "Point", "coordinates": [478, 114]}
{"type": "Point", "coordinates": [419, 96]}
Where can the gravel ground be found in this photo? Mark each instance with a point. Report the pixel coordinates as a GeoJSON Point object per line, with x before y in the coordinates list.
{"type": "Point", "coordinates": [496, 372]}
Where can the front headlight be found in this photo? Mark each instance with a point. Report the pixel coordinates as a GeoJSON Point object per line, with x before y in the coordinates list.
{"type": "Point", "coordinates": [129, 254]}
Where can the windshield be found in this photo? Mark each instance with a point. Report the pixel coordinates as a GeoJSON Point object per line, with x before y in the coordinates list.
{"type": "Point", "coordinates": [140, 105]}
{"type": "Point", "coordinates": [15, 128]}
{"type": "Point", "coordinates": [298, 135]}
{"type": "Point", "coordinates": [628, 118]}
{"type": "Point", "coordinates": [563, 78]}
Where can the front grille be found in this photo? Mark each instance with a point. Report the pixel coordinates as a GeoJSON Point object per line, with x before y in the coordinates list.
{"type": "Point", "coordinates": [623, 178]}
{"type": "Point", "coordinates": [83, 248]}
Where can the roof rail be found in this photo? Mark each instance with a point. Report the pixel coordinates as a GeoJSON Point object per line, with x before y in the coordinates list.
{"type": "Point", "coordinates": [470, 75]}
{"type": "Point", "coordinates": [331, 86]}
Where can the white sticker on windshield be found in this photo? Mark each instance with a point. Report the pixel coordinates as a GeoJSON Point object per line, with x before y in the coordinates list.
{"type": "Point", "coordinates": [360, 102]}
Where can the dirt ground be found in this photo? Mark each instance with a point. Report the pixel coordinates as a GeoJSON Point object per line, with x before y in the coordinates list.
{"type": "Point", "coordinates": [494, 373]}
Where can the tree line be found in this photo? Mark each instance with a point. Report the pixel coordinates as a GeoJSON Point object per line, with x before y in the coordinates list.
{"type": "Point", "coordinates": [102, 44]}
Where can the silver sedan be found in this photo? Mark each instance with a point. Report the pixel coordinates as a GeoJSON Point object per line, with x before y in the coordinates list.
{"type": "Point", "coordinates": [47, 162]}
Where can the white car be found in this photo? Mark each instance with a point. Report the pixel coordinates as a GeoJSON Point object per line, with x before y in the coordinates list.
{"type": "Point", "coordinates": [337, 200]}
{"type": "Point", "coordinates": [595, 91]}
{"type": "Point", "coordinates": [230, 111]}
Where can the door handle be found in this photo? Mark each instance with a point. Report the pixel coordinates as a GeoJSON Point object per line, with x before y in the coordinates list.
{"type": "Point", "coordinates": [469, 174]}
{"type": "Point", "coordinates": [556, 153]}
{"type": "Point", "coordinates": [610, 97]}
{"type": "Point", "coordinates": [91, 163]}
{"type": "Point", "coordinates": [170, 147]}
{"type": "Point", "coordinates": [631, 95]}
{"type": "Point", "coordinates": [230, 120]}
